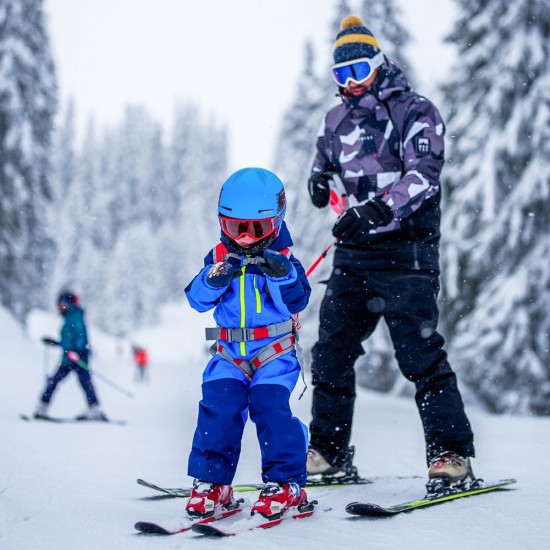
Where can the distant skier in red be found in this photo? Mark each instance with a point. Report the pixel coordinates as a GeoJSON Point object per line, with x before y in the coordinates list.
{"type": "Point", "coordinates": [141, 359]}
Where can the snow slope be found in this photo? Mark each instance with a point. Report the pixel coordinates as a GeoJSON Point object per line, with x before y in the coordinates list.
{"type": "Point", "coordinates": [73, 485]}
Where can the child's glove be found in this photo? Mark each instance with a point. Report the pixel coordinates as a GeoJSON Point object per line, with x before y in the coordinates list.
{"type": "Point", "coordinates": [276, 265]}
{"type": "Point", "coordinates": [220, 274]}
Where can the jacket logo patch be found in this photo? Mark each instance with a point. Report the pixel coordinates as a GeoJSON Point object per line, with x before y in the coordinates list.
{"type": "Point", "coordinates": [422, 146]}
{"type": "Point", "coordinates": [368, 147]}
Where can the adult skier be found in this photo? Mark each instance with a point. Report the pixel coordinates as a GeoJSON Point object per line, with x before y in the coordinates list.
{"type": "Point", "coordinates": [385, 143]}
{"type": "Point", "coordinates": [255, 285]}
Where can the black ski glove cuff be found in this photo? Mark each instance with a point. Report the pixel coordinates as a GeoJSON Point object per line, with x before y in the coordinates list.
{"type": "Point", "coordinates": [358, 221]}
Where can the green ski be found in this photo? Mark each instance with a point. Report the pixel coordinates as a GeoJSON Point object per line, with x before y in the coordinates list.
{"type": "Point", "coordinates": [374, 510]}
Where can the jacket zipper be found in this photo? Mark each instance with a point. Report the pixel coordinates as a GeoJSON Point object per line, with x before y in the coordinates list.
{"type": "Point", "coordinates": [242, 347]}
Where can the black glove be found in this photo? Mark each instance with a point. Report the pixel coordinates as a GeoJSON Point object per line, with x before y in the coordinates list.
{"type": "Point", "coordinates": [221, 274]}
{"type": "Point", "coordinates": [50, 341]}
{"type": "Point", "coordinates": [319, 188]}
{"type": "Point", "coordinates": [358, 221]}
{"type": "Point", "coordinates": [276, 265]}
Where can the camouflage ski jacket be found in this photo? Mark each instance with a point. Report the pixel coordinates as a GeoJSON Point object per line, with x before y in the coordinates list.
{"type": "Point", "coordinates": [388, 143]}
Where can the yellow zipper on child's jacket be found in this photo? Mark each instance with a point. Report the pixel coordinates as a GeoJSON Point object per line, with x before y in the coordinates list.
{"type": "Point", "coordinates": [243, 307]}
{"type": "Point", "coordinates": [243, 303]}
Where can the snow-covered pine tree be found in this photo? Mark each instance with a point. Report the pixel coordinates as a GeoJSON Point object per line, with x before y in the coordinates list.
{"type": "Point", "coordinates": [126, 224]}
{"type": "Point", "coordinates": [198, 156]}
{"type": "Point", "coordinates": [134, 287]}
{"type": "Point", "coordinates": [496, 228]}
{"type": "Point", "coordinates": [385, 18]}
{"type": "Point", "coordinates": [28, 102]}
{"type": "Point", "coordinates": [65, 212]}
{"type": "Point", "coordinates": [310, 229]}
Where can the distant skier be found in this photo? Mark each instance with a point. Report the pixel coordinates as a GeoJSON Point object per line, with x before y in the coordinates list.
{"type": "Point", "coordinates": [74, 342]}
{"type": "Point", "coordinates": [141, 359]}
{"type": "Point", "coordinates": [255, 285]}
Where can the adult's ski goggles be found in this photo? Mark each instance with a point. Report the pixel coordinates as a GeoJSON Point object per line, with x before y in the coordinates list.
{"type": "Point", "coordinates": [357, 70]}
{"type": "Point", "coordinates": [254, 229]}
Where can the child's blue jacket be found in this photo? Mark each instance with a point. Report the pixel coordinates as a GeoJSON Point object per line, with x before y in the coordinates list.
{"type": "Point", "coordinates": [253, 299]}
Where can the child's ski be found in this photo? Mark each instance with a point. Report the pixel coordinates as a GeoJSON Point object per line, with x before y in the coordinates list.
{"type": "Point", "coordinates": [63, 420]}
{"type": "Point", "coordinates": [149, 528]}
{"type": "Point", "coordinates": [254, 522]}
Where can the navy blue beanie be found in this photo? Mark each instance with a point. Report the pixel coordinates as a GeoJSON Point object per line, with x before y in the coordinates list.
{"type": "Point", "coordinates": [354, 41]}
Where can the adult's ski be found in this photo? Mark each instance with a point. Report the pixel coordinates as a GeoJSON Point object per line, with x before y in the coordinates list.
{"type": "Point", "coordinates": [66, 420]}
{"type": "Point", "coordinates": [368, 509]}
{"type": "Point", "coordinates": [254, 522]}
{"type": "Point", "coordinates": [149, 528]}
{"type": "Point", "coordinates": [184, 492]}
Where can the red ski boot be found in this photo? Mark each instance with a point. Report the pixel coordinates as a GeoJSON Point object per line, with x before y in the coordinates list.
{"type": "Point", "coordinates": [275, 498]}
{"type": "Point", "coordinates": [207, 499]}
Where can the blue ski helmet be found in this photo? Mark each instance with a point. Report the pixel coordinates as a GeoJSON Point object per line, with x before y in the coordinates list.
{"type": "Point", "coordinates": [251, 208]}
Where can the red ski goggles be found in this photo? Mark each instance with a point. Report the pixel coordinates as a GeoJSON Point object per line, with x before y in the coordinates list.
{"type": "Point", "coordinates": [357, 70]}
{"type": "Point", "coordinates": [253, 229]}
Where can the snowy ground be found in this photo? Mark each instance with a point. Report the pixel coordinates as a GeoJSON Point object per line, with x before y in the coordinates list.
{"type": "Point", "coordinates": [73, 486]}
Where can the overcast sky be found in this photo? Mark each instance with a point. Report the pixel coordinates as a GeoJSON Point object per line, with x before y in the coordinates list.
{"type": "Point", "coordinates": [238, 59]}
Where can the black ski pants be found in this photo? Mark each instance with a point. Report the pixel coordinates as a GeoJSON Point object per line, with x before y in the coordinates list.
{"type": "Point", "coordinates": [353, 304]}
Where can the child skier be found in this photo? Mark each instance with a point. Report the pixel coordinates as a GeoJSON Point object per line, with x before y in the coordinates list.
{"type": "Point", "coordinates": [255, 285]}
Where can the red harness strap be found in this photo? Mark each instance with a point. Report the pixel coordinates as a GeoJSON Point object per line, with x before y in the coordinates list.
{"type": "Point", "coordinates": [265, 355]}
{"type": "Point", "coordinates": [275, 349]}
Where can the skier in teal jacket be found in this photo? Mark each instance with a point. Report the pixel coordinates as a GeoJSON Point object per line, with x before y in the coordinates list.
{"type": "Point", "coordinates": [74, 343]}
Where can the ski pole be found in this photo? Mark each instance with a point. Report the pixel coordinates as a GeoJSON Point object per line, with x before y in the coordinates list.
{"type": "Point", "coordinates": [338, 200]}
{"type": "Point", "coordinates": [45, 364]}
{"type": "Point", "coordinates": [319, 259]}
{"type": "Point", "coordinates": [75, 358]}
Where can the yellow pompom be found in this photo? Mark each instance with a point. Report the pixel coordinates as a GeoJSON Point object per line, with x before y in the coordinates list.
{"type": "Point", "coordinates": [351, 21]}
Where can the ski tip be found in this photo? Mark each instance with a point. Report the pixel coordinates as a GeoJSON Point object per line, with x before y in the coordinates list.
{"type": "Point", "coordinates": [150, 528]}
{"type": "Point", "coordinates": [207, 530]}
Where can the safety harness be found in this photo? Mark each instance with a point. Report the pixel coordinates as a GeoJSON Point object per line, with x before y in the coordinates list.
{"type": "Point", "coordinates": [287, 330]}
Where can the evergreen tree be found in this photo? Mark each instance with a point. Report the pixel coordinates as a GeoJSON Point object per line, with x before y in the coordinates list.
{"type": "Point", "coordinates": [125, 222]}
{"type": "Point", "coordinates": [496, 224]}
{"type": "Point", "coordinates": [28, 102]}
{"type": "Point", "coordinates": [198, 164]}
{"type": "Point", "coordinates": [60, 219]}
{"type": "Point", "coordinates": [384, 18]}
